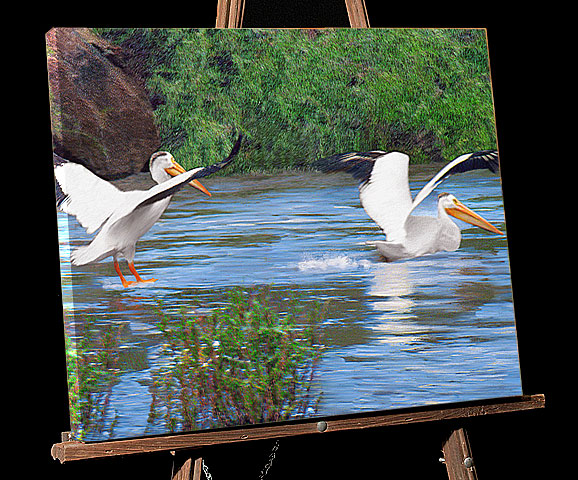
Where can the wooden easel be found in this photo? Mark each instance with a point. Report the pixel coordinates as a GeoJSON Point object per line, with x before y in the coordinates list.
{"type": "Point", "coordinates": [230, 13]}
{"type": "Point", "coordinates": [457, 454]}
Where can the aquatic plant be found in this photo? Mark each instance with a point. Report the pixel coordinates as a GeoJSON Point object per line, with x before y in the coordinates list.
{"type": "Point", "coordinates": [249, 362]}
{"type": "Point", "coordinates": [92, 359]}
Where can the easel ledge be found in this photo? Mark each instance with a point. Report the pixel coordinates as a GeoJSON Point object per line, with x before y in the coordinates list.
{"type": "Point", "coordinates": [75, 450]}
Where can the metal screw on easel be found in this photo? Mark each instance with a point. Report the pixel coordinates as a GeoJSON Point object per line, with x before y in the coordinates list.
{"type": "Point", "coordinates": [468, 462]}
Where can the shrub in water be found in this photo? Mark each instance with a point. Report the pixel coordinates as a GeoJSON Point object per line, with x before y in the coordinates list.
{"type": "Point", "coordinates": [250, 362]}
{"type": "Point", "coordinates": [92, 359]}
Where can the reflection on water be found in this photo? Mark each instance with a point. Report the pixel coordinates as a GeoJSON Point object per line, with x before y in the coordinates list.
{"type": "Point", "coordinates": [434, 329]}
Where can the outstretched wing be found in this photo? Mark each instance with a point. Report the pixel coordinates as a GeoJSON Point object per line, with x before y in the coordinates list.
{"type": "Point", "coordinates": [173, 185]}
{"type": "Point", "coordinates": [484, 159]}
{"type": "Point", "coordinates": [383, 189]}
{"type": "Point", "coordinates": [93, 201]}
{"type": "Point", "coordinates": [81, 193]}
{"type": "Point", "coordinates": [358, 164]}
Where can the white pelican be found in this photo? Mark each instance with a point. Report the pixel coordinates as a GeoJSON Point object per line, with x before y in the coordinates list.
{"type": "Point", "coordinates": [122, 216]}
{"type": "Point", "coordinates": [385, 196]}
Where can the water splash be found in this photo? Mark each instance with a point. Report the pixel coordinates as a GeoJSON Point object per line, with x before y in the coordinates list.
{"type": "Point", "coordinates": [332, 263]}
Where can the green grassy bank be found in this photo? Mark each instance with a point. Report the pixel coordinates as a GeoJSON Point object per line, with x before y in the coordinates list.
{"type": "Point", "coordinates": [299, 95]}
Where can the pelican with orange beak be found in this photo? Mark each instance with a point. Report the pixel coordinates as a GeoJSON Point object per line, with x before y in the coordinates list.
{"type": "Point", "coordinates": [122, 217]}
{"type": "Point", "coordinates": [385, 195]}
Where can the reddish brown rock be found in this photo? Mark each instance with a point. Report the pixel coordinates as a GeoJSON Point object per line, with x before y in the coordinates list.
{"type": "Point", "coordinates": [101, 115]}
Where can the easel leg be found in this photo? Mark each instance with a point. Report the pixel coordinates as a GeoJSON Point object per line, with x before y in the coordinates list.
{"type": "Point", "coordinates": [458, 457]}
{"type": "Point", "coordinates": [187, 470]}
{"type": "Point", "coordinates": [197, 472]}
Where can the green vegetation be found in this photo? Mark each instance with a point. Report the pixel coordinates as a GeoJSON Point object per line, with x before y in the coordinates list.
{"type": "Point", "coordinates": [251, 361]}
{"type": "Point", "coordinates": [246, 363]}
{"type": "Point", "coordinates": [299, 95]}
{"type": "Point", "coordinates": [92, 360]}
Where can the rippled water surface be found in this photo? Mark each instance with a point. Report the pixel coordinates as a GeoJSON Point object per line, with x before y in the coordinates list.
{"type": "Point", "coordinates": [435, 329]}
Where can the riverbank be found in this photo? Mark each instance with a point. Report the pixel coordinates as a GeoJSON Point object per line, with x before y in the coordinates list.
{"type": "Point", "coordinates": [302, 94]}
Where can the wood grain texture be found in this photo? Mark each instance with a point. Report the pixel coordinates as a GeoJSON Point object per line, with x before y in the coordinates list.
{"type": "Point", "coordinates": [357, 13]}
{"type": "Point", "coordinates": [197, 470]}
{"type": "Point", "coordinates": [456, 450]}
{"type": "Point", "coordinates": [230, 13]}
{"type": "Point", "coordinates": [74, 450]}
{"type": "Point", "coordinates": [184, 472]}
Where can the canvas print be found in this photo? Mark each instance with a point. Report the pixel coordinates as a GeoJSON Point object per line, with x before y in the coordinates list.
{"type": "Point", "coordinates": [265, 225]}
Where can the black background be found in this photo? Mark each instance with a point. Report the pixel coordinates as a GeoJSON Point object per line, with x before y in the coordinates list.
{"type": "Point", "coordinates": [525, 73]}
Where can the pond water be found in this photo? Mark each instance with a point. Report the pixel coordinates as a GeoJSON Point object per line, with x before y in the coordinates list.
{"type": "Point", "coordinates": [435, 329]}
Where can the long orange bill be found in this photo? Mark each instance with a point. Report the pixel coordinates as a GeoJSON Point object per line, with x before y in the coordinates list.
{"type": "Point", "coordinates": [462, 212]}
{"type": "Point", "coordinates": [176, 169]}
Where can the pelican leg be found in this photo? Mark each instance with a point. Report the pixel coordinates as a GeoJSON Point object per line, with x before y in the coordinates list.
{"type": "Point", "coordinates": [125, 283]}
{"type": "Point", "coordinates": [137, 276]}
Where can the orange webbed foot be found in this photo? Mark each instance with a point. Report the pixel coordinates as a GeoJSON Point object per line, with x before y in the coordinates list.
{"type": "Point", "coordinates": [137, 276]}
